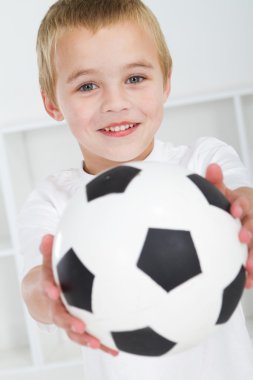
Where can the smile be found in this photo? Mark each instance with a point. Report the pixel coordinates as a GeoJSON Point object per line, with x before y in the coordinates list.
{"type": "Point", "coordinates": [119, 128]}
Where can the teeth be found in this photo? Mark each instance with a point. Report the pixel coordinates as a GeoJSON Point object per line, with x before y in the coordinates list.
{"type": "Point", "coordinates": [119, 128]}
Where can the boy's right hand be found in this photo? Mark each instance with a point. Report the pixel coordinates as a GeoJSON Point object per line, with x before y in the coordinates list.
{"type": "Point", "coordinates": [74, 327]}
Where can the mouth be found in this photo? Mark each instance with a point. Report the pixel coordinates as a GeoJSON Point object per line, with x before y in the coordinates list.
{"type": "Point", "coordinates": [119, 130]}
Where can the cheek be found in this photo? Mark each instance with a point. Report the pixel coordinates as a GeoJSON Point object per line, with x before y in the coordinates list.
{"type": "Point", "coordinates": [152, 98]}
{"type": "Point", "coordinates": [153, 106]}
{"type": "Point", "coordinates": [77, 115]}
{"type": "Point", "coordinates": [72, 106]}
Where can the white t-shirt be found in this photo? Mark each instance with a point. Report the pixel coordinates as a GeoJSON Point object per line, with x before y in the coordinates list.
{"type": "Point", "coordinates": [227, 354]}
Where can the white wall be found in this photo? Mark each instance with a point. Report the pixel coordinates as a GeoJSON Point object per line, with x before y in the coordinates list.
{"type": "Point", "coordinates": [210, 41]}
{"type": "Point", "coordinates": [19, 98]}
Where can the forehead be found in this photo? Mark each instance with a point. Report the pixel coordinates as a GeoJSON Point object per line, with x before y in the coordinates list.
{"type": "Point", "coordinates": [118, 43]}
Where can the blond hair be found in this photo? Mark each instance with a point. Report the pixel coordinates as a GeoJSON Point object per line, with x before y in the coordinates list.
{"type": "Point", "coordinates": [93, 15]}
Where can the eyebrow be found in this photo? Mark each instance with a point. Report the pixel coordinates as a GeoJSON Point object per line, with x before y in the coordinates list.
{"type": "Point", "coordinates": [143, 64]}
{"type": "Point", "coordinates": [79, 73]}
{"type": "Point", "coordinates": [82, 72]}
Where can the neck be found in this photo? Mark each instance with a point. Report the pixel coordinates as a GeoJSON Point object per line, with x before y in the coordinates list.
{"type": "Point", "coordinates": [94, 165]}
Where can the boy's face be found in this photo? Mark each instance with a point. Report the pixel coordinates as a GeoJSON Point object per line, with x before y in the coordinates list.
{"type": "Point", "coordinates": [110, 90]}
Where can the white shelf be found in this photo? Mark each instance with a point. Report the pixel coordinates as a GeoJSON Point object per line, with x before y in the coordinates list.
{"type": "Point", "coordinates": [59, 371]}
{"type": "Point", "coordinates": [210, 97]}
{"type": "Point", "coordinates": [6, 247]}
{"type": "Point", "coordinates": [249, 322]}
{"type": "Point", "coordinates": [15, 359]}
{"type": "Point", "coordinates": [212, 118]}
{"type": "Point", "coordinates": [56, 347]}
{"type": "Point", "coordinates": [38, 156]}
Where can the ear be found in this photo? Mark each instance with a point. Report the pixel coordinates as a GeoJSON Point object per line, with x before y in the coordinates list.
{"type": "Point", "coordinates": [52, 109]}
{"type": "Point", "coordinates": [167, 87]}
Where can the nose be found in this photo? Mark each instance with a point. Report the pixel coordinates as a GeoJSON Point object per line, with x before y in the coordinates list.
{"type": "Point", "coordinates": [115, 100]}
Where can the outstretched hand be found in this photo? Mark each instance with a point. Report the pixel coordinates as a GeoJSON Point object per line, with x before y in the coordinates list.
{"type": "Point", "coordinates": [74, 327]}
{"type": "Point", "coordinates": [241, 201]}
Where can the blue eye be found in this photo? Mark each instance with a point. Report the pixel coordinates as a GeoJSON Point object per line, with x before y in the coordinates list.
{"type": "Point", "coordinates": [135, 79]}
{"type": "Point", "coordinates": [87, 87]}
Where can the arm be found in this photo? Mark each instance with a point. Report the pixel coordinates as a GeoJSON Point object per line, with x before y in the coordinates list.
{"type": "Point", "coordinates": [241, 201]}
{"type": "Point", "coordinates": [42, 298]}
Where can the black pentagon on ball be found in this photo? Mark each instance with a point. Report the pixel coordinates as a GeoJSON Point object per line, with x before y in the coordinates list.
{"type": "Point", "coordinates": [76, 281]}
{"type": "Point", "coordinates": [231, 297]}
{"type": "Point", "coordinates": [169, 257]}
{"type": "Point", "coordinates": [144, 341]}
{"type": "Point", "coordinates": [211, 193]}
{"type": "Point", "coordinates": [114, 180]}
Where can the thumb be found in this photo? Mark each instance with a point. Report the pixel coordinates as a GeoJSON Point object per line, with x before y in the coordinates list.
{"type": "Point", "coordinates": [215, 176]}
{"type": "Point", "coordinates": [51, 289]}
{"type": "Point", "coordinates": [46, 249]}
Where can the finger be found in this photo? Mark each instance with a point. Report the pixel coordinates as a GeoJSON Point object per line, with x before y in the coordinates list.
{"type": "Point", "coordinates": [77, 325]}
{"type": "Point", "coordinates": [63, 319]}
{"type": "Point", "coordinates": [248, 283]}
{"type": "Point", "coordinates": [52, 291]}
{"type": "Point", "coordinates": [245, 236]}
{"type": "Point", "coordinates": [249, 266]}
{"type": "Point", "coordinates": [215, 176]}
{"type": "Point", "coordinates": [46, 243]}
{"type": "Point", "coordinates": [249, 269]}
{"type": "Point", "coordinates": [249, 280]}
{"type": "Point", "coordinates": [109, 350]}
{"type": "Point", "coordinates": [46, 249]}
{"type": "Point", "coordinates": [246, 232]}
{"type": "Point", "coordinates": [240, 207]}
{"type": "Point", "coordinates": [84, 339]}
{"type": "Point", "coordinates": [60, 316]}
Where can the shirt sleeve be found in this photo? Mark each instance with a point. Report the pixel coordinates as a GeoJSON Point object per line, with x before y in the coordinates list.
{"type": "Point", "coordinates": [37, 218]}
{"type": "Point", "coordinates": [208, 150]}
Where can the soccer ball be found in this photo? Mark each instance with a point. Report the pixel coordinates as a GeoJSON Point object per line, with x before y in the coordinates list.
{"type": "Point", "coordinates": [148, 255]}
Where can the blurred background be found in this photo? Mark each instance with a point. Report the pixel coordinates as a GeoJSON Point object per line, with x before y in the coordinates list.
{"type": "Point", "coordinates": [212, 94]}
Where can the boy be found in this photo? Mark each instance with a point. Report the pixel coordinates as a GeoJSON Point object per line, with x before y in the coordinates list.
{"type": "Point", "coordinates": [105, 68]}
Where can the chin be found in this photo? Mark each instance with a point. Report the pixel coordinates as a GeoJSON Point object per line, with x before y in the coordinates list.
{"type": "Point", "coordinates": [124, 157]}
{"type": "Point", "coordinates": [129, 153]}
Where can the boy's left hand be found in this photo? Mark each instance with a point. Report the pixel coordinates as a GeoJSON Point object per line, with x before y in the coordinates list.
{"type": "Point", "coordinates": [241, 201]}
